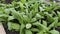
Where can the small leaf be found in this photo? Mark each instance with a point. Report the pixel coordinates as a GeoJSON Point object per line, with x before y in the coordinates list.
{"type": "Point", "coordinates": [35, 30]}
{"type": "Point", "coordinates": [33, 20]}
{"type": "Point", "coordinates": [45, 23]}
{"type": "Point", "coordinates": [41, 9]}
{"type": "Point", "coordinates": [28, 26]}
{"type": "Point", "coordinates": [38, 16]}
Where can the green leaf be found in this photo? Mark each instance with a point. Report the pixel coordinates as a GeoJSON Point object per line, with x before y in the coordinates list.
{"type": "Point", "coordinates": [35, 30]}
{"type": "Point", "coordinates": [54, 32]}
{"type": "Point", "coordinates": [38, 16]}
{"type": "Point", "coordinates": [23, 1]}
{"type": "Point", "coordinates": [53, 24]}
{"type": "Point", "coordinates": [10, 18]}
{"type": "Point", "coordinates": [36, 6]}
{"type": "Point", "coordinates": [58, 14]}
{"type": "Point", "coordinates": [41, 32]}
{"type": "Point", "coordinates": [26, 18]}
{"type": "Point", "coordinates": [40, 25]}
{"type": "Point", "coordinates": [18, 16]}
{"type": "Point", "coordinates": [41, 9]}
{"type": "Point", "coordinates": [22, 28]}
{"type": "Point", "coordinates": [2, 10]}
{"type": "Point", "coordinates": [49, 17]}
{"type": "Point", "coordinates": [33, 20]}
{"type": "Point", "coordinates": [58, 24]}
{"type": "Point", "coordinates": [14, 26]}
{"type": "Point", "coordinates": [7, 11]}
{"type": "Point", "coordinates": [3, 17]}
{"type": "Point", "coordinates": [21, 6]}
{"type": "Point", "coordinates": [28, 32]}
{"type": "Point", "coordinates": [45, 23]}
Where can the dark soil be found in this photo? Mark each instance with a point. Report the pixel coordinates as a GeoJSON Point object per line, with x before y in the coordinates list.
{"type": "Point", "coordinates": [58, 29]}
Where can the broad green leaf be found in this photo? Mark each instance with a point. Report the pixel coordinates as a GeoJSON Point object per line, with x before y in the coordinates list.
{"type": "Point", "coordinates": [40, 25]}
{"type": "Point", "coordinates": [28, 32]}
{"type": "Point", "coordinates": [54, 32]}
{"type": "Point", "coordinates": [14, 26]}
